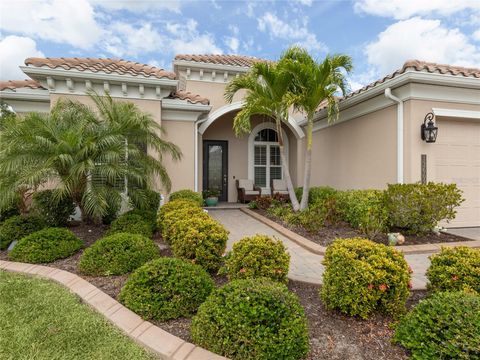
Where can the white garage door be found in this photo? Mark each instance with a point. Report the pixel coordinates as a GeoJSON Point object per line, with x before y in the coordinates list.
{"type": "Point", "coordinates": [457, 160]}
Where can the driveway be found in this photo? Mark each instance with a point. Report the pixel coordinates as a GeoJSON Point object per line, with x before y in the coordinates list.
{"type": "Point", "coordinates": [470, 232]}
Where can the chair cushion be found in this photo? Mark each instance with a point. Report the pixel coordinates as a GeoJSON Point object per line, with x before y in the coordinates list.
{"type": "Point", "coordinates": [245, 184]}
{"type": "Point", "coordinates": [279, 185]}
{"type": "Point", "coordinates": [252, 192]}
{"type": "Point", "coordinates": [281, 192]}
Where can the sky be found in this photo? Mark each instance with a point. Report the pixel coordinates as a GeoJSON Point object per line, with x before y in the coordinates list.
{"type": "Point", "coordinates": [379, 35]}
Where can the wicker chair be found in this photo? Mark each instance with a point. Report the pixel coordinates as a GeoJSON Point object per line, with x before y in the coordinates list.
{"type": "Point", "coordinates": [279, 187]}
{"type": "Point", "coordinates": [246, 190]}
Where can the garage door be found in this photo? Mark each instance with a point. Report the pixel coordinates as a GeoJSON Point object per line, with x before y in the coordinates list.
{"type": "Point", "coordinates": [457, 160]}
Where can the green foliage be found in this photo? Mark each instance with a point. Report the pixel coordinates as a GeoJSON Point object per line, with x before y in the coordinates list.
{"type": "Point", "coordinates": [187, 195]}
{"type": "Point", "coordinates": [362, 276]}
{"type": "Point", "coordinates": [117, 254]}
{"type": "Point", "coordinates": [417, 208]}
{"type": "Point", "coordinates": [199, 239]}
{"type": "Point", "coordinates": [131, 223]}
{"type": "Point", "coordinates": [172, 206]}
{"type": "Point", "coordinates": [455, 269]}
{"type": "Point", "coordinates": [18, 227]}
{"type": "Point", "coordinates": [166, 288]}
{"type": "Point", "coordinates": [258, 256]}
{"type": "Point", "coordinates": [172, 217]}
{"type": "Point", "coordinates": [111, 211]}
{"type": "Point", "coordinates": [252, 319]}
{"type": "Point", "coordinates": [317, 194]}
{"type": "Point", "coordinates": [446, 325]}
{"type": "Point", "coordinates": [147, 216]}
{"type": "Point", "coordinates": [149, 200]}
{"type": "Point", "coordinates": [55, 210]}
{"type": "Point", "coordinates": [11, 209]}
{"type": "Point", "coordinates": [253, 205]}
{"type": "Point", "coordinates": [46, 245]}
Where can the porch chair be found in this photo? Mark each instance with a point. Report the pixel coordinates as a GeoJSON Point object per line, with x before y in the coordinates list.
{"type": "Point", "coordinates": [246, 190]}
{"type": "Point", "coordinates": [279, 186]}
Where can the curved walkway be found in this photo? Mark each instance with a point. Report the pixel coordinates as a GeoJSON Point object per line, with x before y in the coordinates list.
{"type": "Point", "coordinates": [304, 265]}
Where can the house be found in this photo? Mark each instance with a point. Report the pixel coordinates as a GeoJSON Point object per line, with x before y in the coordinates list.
{"type": "Point", "coordinates": [376, 140]}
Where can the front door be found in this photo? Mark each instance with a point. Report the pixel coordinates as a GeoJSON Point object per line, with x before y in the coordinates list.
{"type": "Point", "coordinates": [215, 167]}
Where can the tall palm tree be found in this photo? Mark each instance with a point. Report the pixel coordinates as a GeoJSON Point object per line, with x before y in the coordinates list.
{"type": "Point", "coordinates": [267, 94]}
{"type": "Point", "coordinates": [314, 84]}
{"type": "Point", "coordinates": [91, 155]}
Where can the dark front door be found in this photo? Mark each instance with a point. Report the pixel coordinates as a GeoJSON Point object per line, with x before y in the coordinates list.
{"type": "Point", "coordinates": [215, 167]}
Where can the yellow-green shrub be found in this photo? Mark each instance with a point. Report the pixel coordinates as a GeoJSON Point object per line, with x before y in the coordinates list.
{"type": "Point", "coordinates": [187, 194]}
{"type": "Point", "coordinates": [172, 217]}
{"type": "Point", "coordinates": [172, 206]}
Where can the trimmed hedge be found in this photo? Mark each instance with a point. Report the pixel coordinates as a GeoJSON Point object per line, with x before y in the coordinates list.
{"type": "Point", "coordinates": [18, 227]}
{"type": "Point", "coordinates": [443, 326]}
{"type": "Point", "coordinates": [172, 206]}
{"type": "Point", "coordinates": [172, 217]}
{"type": "Point", "coordinates": [258, 256]}
{"type": "Point", "coordinates": [55, 212]}
{"type": "Point", "coordinates": [117, 254]}
{"type": "Point", "coordinates": [455, 269]}
{"type": "Point", "coordinates": [252, 319]}
{"type": "Point", "coordinates": [147, 216]}
{"type": "Point", "coordinates": [166, 288]}
{"type": "Point", "coordinates": [187, 195]}
{"type": "Point", "coordinates": [132, 224]}
{"type": "Point", "coordinates": [46, 245]}
{"type": "Point", "coordinates": [317, 194]}
{"type": "Point", "coordinates": [362, 276]}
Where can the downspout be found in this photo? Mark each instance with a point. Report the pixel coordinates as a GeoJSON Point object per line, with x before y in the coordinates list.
{"type": "Point", "coordinates": [389, 95]}
{"type": "Point", "coordinates": [195, 141]}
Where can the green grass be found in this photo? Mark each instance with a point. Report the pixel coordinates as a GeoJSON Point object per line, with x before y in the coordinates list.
{"type": "Point", "coordinates": [42, 320]}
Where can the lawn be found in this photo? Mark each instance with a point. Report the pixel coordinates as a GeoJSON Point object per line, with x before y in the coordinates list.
{"type": "Point", "coordinates": [42, 320]}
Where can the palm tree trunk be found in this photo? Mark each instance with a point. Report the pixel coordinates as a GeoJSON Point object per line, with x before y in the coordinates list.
{"type": "Point", "coordinates": [308, 166]}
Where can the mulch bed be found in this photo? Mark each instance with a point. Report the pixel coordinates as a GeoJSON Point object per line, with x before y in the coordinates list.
{"type": "Point", "coordinates": [327, 234]}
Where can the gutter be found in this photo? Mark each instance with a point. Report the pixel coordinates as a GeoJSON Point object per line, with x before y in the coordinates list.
{"type": "Point", "coordinates": [389, 95]}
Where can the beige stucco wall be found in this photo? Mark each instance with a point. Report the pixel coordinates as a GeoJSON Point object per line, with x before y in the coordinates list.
{"type": "Point", "coordinates": [213, 91]}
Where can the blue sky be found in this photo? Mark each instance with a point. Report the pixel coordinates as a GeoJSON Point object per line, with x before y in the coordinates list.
{"type": "Point", "coordinates": [380, 35]}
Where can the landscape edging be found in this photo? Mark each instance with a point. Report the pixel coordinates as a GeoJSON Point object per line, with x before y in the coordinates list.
{"type": "Point", "coordinates": [155, 339]}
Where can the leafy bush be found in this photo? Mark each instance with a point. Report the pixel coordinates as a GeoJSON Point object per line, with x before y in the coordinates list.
{"type": "Point", "coordinates": [18, 227]}
{"type": "Point", "coordinates": [172, 206]}
{"type": "Point", "coordinates": [417, 208]}
{"type": "Point", "coordinates": [252, 205]}
{"type": "Point", "coordinates": [56, 212]}
{"type": "Point", "coordinates": [364, 210]}
{"type": "Point", "coordinates": [46, 245]}
{"type": "Point", "coordinates": [312, 218]}
{"type": "Point", "coordinates": [166, 288]}
{"type": "Point", "coordinates": [147, 216]}
{"type": "Point", "coordinates": [265, 202]}
{"type": "Point", "coordinates": [200, 240]}
{"type": "Point", "coordinates": [446, 325]}
{"type": "Point", "coordinates": [150, 201]}
{"type": "Point", "coordinates": [112, 210]}
{"type": "Point", "coordinates": [362, 276]}
{"type": "Point", "coordinates": [258, 256]}
{"type": "Point", "coordinates": [131, 223]}
{"type": "Point", "coordinates": [117, 254]}
{"type": "Point", "coordinates": [8, 212]}
{"type": "Point", "coordinates": [317, 194]}
{"type": "Point", "coordinates": [455, 269]}
{"type": "Point", "coordinates": [187, 195]}
{"type": "Point", "coordinates": [172, 217]}
{"type": "Point", "coordinates": [252, 319]}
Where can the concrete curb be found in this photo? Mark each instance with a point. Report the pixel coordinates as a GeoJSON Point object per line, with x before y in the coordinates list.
{"type": "Point", "coordinates": [161, 342]}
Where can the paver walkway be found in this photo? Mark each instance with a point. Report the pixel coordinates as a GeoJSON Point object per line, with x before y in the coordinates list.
{"type": "Point", "coordinates": [304, 265]}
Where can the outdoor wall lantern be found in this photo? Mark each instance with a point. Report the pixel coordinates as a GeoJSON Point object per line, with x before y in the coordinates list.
{"type": "Point", "coordinates": [429, 130]}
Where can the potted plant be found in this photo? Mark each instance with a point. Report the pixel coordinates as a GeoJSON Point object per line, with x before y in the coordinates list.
{"type": "Point", "coordinates": [211, 197]}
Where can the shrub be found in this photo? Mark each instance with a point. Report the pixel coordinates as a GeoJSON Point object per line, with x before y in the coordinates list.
{"type": "Point", "coordinates": [147, 216]}
{"type": "Point", "coordinates": [172, 206]}
{"type": "Point", "coordinates": [46, 245]}
{"type": "Point", "coordinates": [417, 208]}
{"type": "Point", "coordinates": [8, 212]}
{"type": "Point", "coordinates": [200, 240]}
{"type": "Point", "coordinates": [252, 319]}
{"type": "Point", "coordinates": [265, 202]}
{"type": "Point", "coordinates": [455, 269]}
{"type": "Point", "coordinates": [166, 288]}
{"type": "Point", "coordinates": [317, 194]}
{"type": "Point", "coordinates": [362, 276]}
{"type": "Point", "coordinates": [258, 256]}
{"type": "Point", "coordinates": [18, 227]}
{"type": "Point", "coordinates": [117, 254]}
{"type": "Point", "coordinates": [112, 210]}
{"type": "Point", "coordinates": [177, 215]}
{"type": "Point", "coordinates": [151, 202]}
{"type": "Point", "coordinates": [312, 218]}
{"type": "Point", "coordinates": [56, 212]}
{"type": "Point", "coordinates": [364, 210]}
{"type": "Point", "coordinates": [187, 195]}
{"type": "Point", "coordinates": [443, 326]}
{"type": "Point", "coordinates": [131, 223]}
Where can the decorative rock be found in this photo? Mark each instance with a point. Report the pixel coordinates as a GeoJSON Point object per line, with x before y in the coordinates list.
{"type": "Point", "coordinates": [395, 239]}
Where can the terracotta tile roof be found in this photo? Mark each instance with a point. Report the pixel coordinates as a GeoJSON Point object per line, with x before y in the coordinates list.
{"type": "Point", "coordinates": [232, 60]}
{"type": "Point", "coordinates": [16, 84]}
{"type": "Point", "coordinates": [191, 98]}
{"type": "Point", "coordinates": [108, 66]}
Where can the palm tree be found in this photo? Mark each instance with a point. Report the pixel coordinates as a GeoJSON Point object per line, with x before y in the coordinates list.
{"type": "Point", "coordinates": [91, 155]}
{"type": "Point", "coordinates": [314, 84]}
{"type": "Point", "coordinates": [267, 94]}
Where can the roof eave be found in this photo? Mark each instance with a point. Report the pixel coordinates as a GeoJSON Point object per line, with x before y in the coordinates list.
{"type": "Point", "coordinates": [211, 66]}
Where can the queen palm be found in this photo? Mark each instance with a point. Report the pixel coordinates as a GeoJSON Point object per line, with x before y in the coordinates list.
{"type": "Point", "coordinates": [90, 155]}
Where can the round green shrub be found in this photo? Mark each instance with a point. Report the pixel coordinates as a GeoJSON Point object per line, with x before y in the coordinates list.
{"type": "Point", "coordinates": [362, 276]}
{"type": "Point", "coordinates": [166, 288]}
{"type": "Point", "coordinates": [200, 240]}
{"type": "Point", "coordinates": [147, 216]}
{"type": "Point", "coordinates": [117, 254]}
{"type": "Point", "coordinates": [258, 256]}
{"type": "Point", "coordinates": [455, 269]}
{"type": "Point", "coordinates": [132, 224]}
{"type": "Point", "coordinates": [56, 212]}
{"type": "Point", "coordinates": [187, 195]}
{"type": "Point", "coordinates": [252, 319]}
{"type": "Point", "coordinates": [446, 325]}
{"type": "Point", "coordinates": [18, 227]}
{"type": "Point", "coordinates": [46, 245]}
{"type": "Point", "coordinates": [172, 217]}
{"type": "Point", "coordinates": [172, 206]}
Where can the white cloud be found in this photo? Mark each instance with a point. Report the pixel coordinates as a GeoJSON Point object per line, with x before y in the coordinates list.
{"type": "Point", "coordinates": [233, 43]}
{"type": "Point", "coordinates": [14, 50]}
{"type": "Point", "coordinates": [139, 6]}
{"type": "Point", "coordinates": [304, 2]}
{"type": "Point", "coordinates": [185, 38]}
{"type": "Point", "coordinates": [421, 39]}
{"type": "Point", "coordinates": [476, 35]}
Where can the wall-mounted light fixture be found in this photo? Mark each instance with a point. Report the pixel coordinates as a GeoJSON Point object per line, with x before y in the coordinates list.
{"type": "Point", "coordinates": [429, 130]}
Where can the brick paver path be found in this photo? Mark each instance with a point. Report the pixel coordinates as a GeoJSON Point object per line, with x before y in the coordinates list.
{"type": "Point", "coordinates": [304, 265]}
